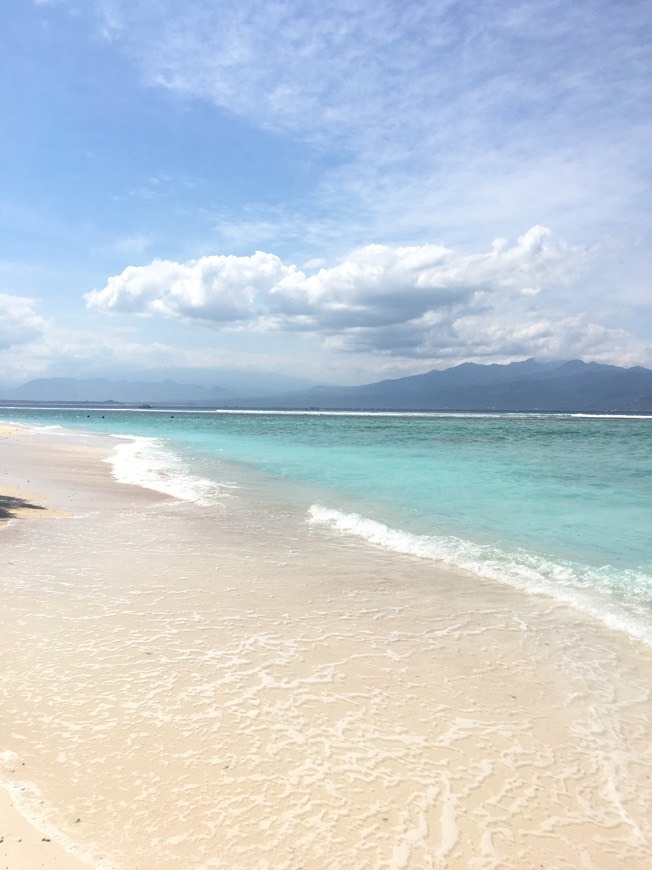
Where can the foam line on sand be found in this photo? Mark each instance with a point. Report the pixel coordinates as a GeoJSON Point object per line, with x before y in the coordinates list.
{"type": "Point", "coordinates": [22, 845]}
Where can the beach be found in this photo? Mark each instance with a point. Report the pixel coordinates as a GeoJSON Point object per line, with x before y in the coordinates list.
{"type": "Point", "coordinates": [193, 684]}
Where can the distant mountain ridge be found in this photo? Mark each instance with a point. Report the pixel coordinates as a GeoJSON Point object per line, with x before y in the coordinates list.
{"type": "Point", "coordinates": [521, 386]}
{"type": "Point", "coordinates": [104, 390]}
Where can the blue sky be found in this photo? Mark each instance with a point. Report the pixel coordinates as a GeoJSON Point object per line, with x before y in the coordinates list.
{"type": "Point", "coordinates": [341, 191]}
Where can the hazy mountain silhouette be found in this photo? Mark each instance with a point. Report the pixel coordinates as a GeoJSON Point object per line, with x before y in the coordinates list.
{"type": "Point", "coordinates": [103, 390]}
{"type": "Point", "coordinates": [521, 386]}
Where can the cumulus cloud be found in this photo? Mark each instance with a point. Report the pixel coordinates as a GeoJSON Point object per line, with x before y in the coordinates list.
{"type": "Point", "coordinates": [420, 301]}
{"type": "Point", "coordinates": [378, 285]}
{"type": "Point", "coordinates": [219, 289]}
{"type": "Point", "coordinates": [19, 322]}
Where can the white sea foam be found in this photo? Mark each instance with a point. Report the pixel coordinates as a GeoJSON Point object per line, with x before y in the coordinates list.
{"type": "Point", "coordinates": [311, 412]}
{"type": "Point", "coordinates": [148, 462]}
{"type": "Point", "coordinates": [619, 598]}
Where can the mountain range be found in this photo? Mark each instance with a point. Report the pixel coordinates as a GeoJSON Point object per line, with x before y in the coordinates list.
{"type": "Point", "coordinates": [521, 386]}
{"type": "Point", "coordinates": [104, 390]}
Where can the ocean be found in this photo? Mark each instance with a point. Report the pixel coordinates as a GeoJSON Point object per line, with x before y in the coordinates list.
{"type": "Point", "coordinates": [556, 505]}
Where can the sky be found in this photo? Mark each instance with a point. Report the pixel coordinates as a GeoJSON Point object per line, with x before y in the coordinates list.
{"type": "Point", "coordinates": [339, 192]}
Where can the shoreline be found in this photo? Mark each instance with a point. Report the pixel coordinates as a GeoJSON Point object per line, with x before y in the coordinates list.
{"type": "Point", "coordinates": [23, 844]}
{"type": "Point", "coordinates": [26, 839]}
{"type": "Point", "coordinates": [19, 502]}
{"type": "Point", "coordinates": [197, 686]}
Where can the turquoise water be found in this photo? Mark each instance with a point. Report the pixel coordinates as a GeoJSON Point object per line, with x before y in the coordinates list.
{"type": "Point", "coordinates": [555, 504]}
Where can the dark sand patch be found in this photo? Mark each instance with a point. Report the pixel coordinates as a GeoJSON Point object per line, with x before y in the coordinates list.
{"type": "Point", "coordinates": [12, 505]}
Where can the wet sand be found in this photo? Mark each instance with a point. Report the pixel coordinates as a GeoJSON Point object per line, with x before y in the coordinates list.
{"type": "Point", "coordinates": [24, 846]}
{"type": "Point", "coordinates": [27, 838]}
{"type": "Point", "coordinates": [189, 686]}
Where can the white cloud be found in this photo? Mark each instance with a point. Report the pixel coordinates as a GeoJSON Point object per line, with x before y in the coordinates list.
{"type": "Point", "coordinates": [443, 118]}
{"type": "Point", "coordinates": [426, 119]}
{"type": "Point", "coordinates": [351, 67]}
{"type": "Point", "coordinates": [218, 289]}
{"type": "Point", "coordinates": [19, 322]}
{"type": "Point", "coordinates": [421, 301]}
{"type": "Point", "coordinates": [375, 285]}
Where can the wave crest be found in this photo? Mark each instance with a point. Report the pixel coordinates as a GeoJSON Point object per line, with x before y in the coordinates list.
{"type": "Point", "coordinates": [147, 462]}
{"type": "Point", "coordinates": [621, 599]}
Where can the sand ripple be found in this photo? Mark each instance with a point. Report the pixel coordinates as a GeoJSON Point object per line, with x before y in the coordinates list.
{"type": "Point", "coordinates": [203, 690]}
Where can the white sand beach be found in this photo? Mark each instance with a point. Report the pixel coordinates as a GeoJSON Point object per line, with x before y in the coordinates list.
{"type": "Point", "coordinates": [192, 686]}
{"type": "Point", "coordinates": [22, 845]}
